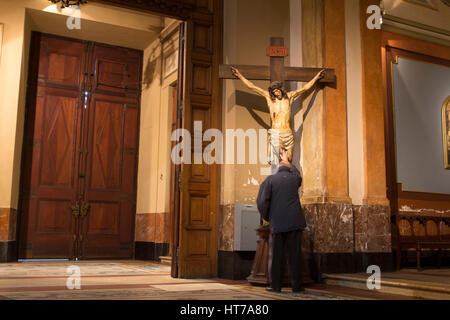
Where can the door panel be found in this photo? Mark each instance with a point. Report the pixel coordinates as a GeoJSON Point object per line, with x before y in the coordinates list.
{"type": "Point", "coordinates": [199, 193]}
{"type": "Point", "coordinates": [78, 194]}
{"type": "Point", "coordinates": [58, 140]}
{"type": "Point", "coordinates": [53, 217]}
{"type": "Point", "coordinates": [106, 145]}
{"type": "Point", "coordinates": [105, 194]}
{"type": "Point", "coordinates": [117, 70]}
{"type": "Point", "coordinates": [50, 155]}
{"type": "Point", "coordinates": [112, 146]}
{"type": "Point", "coordinates": [59, 61]}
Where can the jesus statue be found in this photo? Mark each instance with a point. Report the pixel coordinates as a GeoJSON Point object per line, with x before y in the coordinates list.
{"type": "Point", "coordinates": [279, 102]}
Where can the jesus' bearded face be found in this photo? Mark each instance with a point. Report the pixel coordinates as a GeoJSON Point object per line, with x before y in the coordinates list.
{"type": "Point", "coordinates": [276, 91]}
{"type": "Point", "coordinates": [278, 94]}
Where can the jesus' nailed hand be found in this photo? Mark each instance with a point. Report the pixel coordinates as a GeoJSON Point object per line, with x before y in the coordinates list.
{"type": "Point", "coordinates": [279, 102]}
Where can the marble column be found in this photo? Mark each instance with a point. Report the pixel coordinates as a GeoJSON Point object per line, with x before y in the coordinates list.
{"type": "Point", "coordinates": [340, 231]}
{"type": "Point", "coordinates": [324, 146]}
{"type": "Point", "coordinates": [372, 219]}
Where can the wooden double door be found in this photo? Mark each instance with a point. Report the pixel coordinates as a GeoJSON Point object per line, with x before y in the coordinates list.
{"type": "Point", "coordinates": [78, 193]}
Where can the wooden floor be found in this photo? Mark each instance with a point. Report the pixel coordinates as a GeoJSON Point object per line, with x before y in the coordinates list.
{"type": "Point", "coordinates": [146, 280]}
{"type": "Point", "coordinates": [425, 284]}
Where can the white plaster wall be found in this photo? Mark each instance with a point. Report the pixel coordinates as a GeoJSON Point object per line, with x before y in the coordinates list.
{"type": "Point", "coordinates": [153, 193]}
{"type": "Point", "coordinates": [248, 26]}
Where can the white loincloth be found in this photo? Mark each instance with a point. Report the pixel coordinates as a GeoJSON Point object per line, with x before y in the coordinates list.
{"type": "Point", "coordinates": [279, 138]}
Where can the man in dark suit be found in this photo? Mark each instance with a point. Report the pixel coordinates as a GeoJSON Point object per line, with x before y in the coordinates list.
{"type": "Point", "coordinates": [279, 203]}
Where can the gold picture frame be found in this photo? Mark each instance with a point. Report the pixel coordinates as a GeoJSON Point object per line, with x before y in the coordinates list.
{"type": "Point", "coordinates": [1, 40]}
{"type": "Point", "coordinates": [446, 132]}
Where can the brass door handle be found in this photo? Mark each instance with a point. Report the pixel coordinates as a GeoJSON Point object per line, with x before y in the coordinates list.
{"type": "Point", "coordinates": [75, 209]}
{"type": "Point", "coordinates": [84, 208]}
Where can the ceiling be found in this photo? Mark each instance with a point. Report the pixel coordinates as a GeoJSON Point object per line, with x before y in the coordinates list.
{"type": "Point", "coordinates": [135, 30]}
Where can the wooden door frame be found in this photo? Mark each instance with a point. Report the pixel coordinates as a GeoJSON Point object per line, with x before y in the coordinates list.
{"type": "Point", "coordinates": [33, 66]}
{"type": "Point", "coordinates": [394, 46]}
{"type": "Point", "coordinates": [174, 187]}
{"type": "Point", "coordinates": [30, 116]}
{"type": "Point", "coordinates": [205, 18]}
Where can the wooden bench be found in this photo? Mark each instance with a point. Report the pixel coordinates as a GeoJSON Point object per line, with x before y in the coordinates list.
{"type": "Point", "coordinates": [420, 232]}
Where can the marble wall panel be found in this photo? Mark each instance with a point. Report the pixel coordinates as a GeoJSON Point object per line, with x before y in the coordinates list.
{"type": "Point", "coordinates": [145, 227]}
{"type": "Point", "coordinates": [8, 224]}
{"type": "Point", "coordinates": [330, 226]}
{"type": "Point", "coordinates": [153, 227]}
{"type": "Point", "coordinates": [226, 227]}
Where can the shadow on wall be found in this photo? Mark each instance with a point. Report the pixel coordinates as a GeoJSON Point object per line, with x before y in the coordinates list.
{"type": "Point", "coordinates": [252, 102]}
{"type": "Point", "coordinates": [152, 69]}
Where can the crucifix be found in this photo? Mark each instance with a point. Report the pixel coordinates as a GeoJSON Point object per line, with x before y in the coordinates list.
{"type": "Point", "coordinates": [278, 100]}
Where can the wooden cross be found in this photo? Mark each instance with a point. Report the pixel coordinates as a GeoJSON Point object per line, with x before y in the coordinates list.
{"type": "Point", "coordinates": [277, 71]}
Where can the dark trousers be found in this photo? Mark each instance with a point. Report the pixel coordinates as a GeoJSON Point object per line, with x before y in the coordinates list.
{"type": "Point", "coordinates": [292, 241]}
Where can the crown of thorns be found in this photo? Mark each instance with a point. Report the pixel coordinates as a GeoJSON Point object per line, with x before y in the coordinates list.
{"type": "Point", "coordinates": [276, 85]}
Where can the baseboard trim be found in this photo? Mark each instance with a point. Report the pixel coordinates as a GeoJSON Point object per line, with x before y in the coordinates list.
{"type": "Point", "coordinates": [8, 251]}
{"type": "Point", "coordinates": [352, 262]}
{"type": "Point", "coordinates": [150, 250]}
{"type": "Point", "coordinates": [235, 265]}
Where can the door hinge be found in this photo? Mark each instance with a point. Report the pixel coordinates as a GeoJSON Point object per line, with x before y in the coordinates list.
{"type": "Point", "coordinates": [178, 180]}
{"type": "Point", "coordinates": [180, 110]}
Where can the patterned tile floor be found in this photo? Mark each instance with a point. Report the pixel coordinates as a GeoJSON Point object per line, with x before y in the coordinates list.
{"type": "Point", "coordinates": [128, 280]}
{"type": "Point", "coordinates": [144, 280]}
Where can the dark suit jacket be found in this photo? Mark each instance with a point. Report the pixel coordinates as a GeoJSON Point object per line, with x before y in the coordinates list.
{"type": "Point", "coordinates": [278, 200]}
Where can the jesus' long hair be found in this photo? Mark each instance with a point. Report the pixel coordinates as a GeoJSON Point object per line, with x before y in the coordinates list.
{"type": "Point", "coordinates": [276, 85]}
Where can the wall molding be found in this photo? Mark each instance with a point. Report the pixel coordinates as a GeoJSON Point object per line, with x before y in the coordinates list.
{"type": "Point", "coordinates": [388, 19]}
{"type": "Point", "coordinates": [150, 250]}
{"type": "Point", "coordinates": [419, 195]}
{"type": "Point", "coordinates": [172, 8]}
{"type": "Point", "coordinates": [393, 46]}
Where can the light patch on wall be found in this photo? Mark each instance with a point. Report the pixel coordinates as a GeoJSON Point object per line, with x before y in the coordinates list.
{"type": "Point", "coordinates": [251, 180]}
{"type": "Point", "coordinates": [57, 9]}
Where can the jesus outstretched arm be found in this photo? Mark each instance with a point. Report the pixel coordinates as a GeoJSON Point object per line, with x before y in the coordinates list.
{"type": "Point", "coordinates": [249, 84]}
{"type": "Point", "coordinates": [295, 94]}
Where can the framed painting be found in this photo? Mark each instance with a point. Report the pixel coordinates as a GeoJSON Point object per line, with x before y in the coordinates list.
{"type": "Point", "coordinates": [446, 132]}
